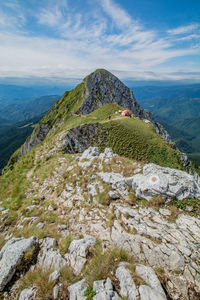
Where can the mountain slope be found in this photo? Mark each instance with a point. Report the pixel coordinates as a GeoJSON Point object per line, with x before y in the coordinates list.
{"type": "Point", "coordinates": [96, 90]}
{"type": "Point", "coordinates": [82, 222]}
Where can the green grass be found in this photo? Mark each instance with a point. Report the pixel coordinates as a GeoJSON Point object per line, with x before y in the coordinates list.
{"type": "Point", "coordinates": [103, 265]}
{"type": "Point", "coordinates": [38, 278]}
{"type": "Point", "coordinates": [194, 204]}
{"type": "Point", "coordinates": [129, 137]}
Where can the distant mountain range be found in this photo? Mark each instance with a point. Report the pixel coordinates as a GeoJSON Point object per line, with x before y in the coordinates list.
{"type": "Point", "coordinates": [16, 110]}
{"type": "Point", "coordinates": [178, 110]}
{"type": "Point", "coordinates": [17, 117]}
{"type": "Point", "coordinates": [13, 136]}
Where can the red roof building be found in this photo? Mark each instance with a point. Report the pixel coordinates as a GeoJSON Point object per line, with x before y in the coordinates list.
{"type": "Point", "coordinates": [125, 113]}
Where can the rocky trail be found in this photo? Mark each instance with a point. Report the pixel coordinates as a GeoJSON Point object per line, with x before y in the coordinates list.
{"type": "Point", "coordinates": [95, 203]}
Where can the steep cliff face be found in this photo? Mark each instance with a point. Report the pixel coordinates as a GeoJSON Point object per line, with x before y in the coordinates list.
{"type": "Point", "coordinates": [102, 87]}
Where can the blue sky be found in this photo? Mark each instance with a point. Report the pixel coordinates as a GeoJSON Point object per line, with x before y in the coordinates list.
{"type": "Point", "coordinates": [61, 41]}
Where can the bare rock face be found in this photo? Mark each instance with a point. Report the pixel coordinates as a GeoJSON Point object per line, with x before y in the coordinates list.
{"type": "Point", "coordinates": [11, 255]}
{"type": "Point", "coordinates": [104, 290]}
{"type": "Point", "coordinates": [50, 258]}
{"type": "Point", "coordinates": [127, 286]}
{"type": "Point", "coordinates": [27, 294]}
{"type": "Point", "coordinates": [150, 277]}
{"type": "Point", "coordinates": [147, 293]}
{"type": "Point", "coordinates": [80, 138]}
{"type": "Point", "coordinates": [167, 182]}
{"type": "Point", "coordinates": [77, 290]}
{"type": "Point", "coordinates": [36, 137]}
{"type": "Point", "coordinates": [78, 251]}
{"type": "Point", "coordinates": [102, 87]}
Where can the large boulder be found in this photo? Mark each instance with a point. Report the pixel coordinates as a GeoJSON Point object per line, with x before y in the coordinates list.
{"type": "Point", "coordinates": [11, 256]}
{"type": "Point", "coordinates": [147, 293]}
{"type": "Point", "coordinates": [50, 258]}
{"type": "Point", "coordinates": [167, 182]}
{"type": "Point", "coordinates": [77, 290]}
{"type": "Point", "coordinates": [78, 251]}
{"type": "Point", "coordinates": [127, 285]}
{"type": "Point", "coordinates": [150, 277]}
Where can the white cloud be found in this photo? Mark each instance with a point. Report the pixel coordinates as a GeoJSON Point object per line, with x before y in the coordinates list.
{"type": "Point", "coordinates": [86, 41]}
{"type": "Point", "coordinates": [50, 18]}
{"type": "Point", "coordinates": [118, 15]}
{"type": "Point", "coordinates": [183, 29]}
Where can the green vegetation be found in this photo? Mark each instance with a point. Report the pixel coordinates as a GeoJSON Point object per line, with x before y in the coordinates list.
{"type": "Point", "coordinates": [129, 137]}
{"type": "Point", "coordinates": [178, 109]}
{"type": "Point", "coordinates": [89, 293]}
{"type": "Point", "coordinates": [38, 278]}
{"type": "Point", "coordinates": [102, 265]}
{"type": "Point", "coordinates": [191, 206]}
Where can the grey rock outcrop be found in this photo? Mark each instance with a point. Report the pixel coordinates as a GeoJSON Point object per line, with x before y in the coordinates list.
{"type": "Point", "coordinates": [112, 178]}
{"type": "Point", "coordinates": [150, 277]}
{"type": "Point", "coordinates": [127, 285]}
{"type": "Point", "coordinates": [104, 290]}
{"type": "Point", "coordinates": [147, 293]}
{"type": "Point", "coordinates": [27, 294]}
{"type": "Point", "coordinates": [54, 277]}
{"type": "Point", "coordinates": [80, 138]}
{"type": "Point", "coordinates": [90, 153]}
{"type": "Point", "coordinates": [50, 258]}
{"type": "Point", "coordinates": [167, 182]}
{"type": "Point", "coordinates": [77, 290]}
{"type": "Point", "coordinates": [78, 251]}
{"type": "Point", "coordinates": [11, 255]}
{"type": "Point", "coordinates": [36, 137]}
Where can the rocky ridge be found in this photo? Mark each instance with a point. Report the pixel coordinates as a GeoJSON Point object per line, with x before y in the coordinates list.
{"type": "Point", "coordinates": [98, 89]}
{"type": "Point", "coordinates": [92, 202]}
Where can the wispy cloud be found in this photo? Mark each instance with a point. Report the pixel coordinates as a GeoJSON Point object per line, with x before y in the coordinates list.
{"type": "Point", "coordinates": [118, 15]}
{"type": "Point", "coordinates": [183, 29]}
{"type": "Point", "coordinates": [73, 42]}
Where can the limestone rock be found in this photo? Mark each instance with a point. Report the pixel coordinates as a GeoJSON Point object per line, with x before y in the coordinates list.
{"type": "Point", "coordinates": [150, 277]}
{"type": "Point", "coordinates": [90, 153]}
{"type": "Point", "coordinates": [55, 292]}
{"type": "Point", "coordinates": [36, 137]}
{"type": "Point", "coordinates": [111, 178]}
{"type": "Point", "coordinates": [157, 180]}
{"type": "Point", "coordinates": [27, 294]}
{"type": "Point", "coordinates": [113, 195]}
{"type": "Point", "coordinates": [78, 251]}
{"type": "Point", "coordinates": [50, 258]}
{"type": "Point", "coordinates": [11, 256]}
{"type": "Point", "coordinates": [147, 293]}
{"type": "Point", "coordinates": [77, 290]}
{"type": "Point", "coordinates": [104, 290]}
{"type": "Point", "coordinates": [40, 225]}
{"type": "Point", "coordinates": [54, 276]}
{"type": "Point", "coordinates": [127, 285]}
{"type": "Point", "coordinates": [79, 139]}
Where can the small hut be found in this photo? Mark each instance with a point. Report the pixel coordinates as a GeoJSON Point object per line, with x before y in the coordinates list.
{"type": "Point", "coordinates": [125, 113]}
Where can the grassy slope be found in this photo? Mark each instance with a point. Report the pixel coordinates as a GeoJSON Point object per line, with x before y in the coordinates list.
{"type": "Point", "coordinates": [129, 137]}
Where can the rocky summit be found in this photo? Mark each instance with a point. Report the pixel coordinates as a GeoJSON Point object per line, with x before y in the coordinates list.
{"type": "Point", "coordinates": [99, 206]}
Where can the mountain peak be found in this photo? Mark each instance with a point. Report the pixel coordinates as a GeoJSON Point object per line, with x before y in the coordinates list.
{"type": "Point", "coordinates": [97, 90]}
